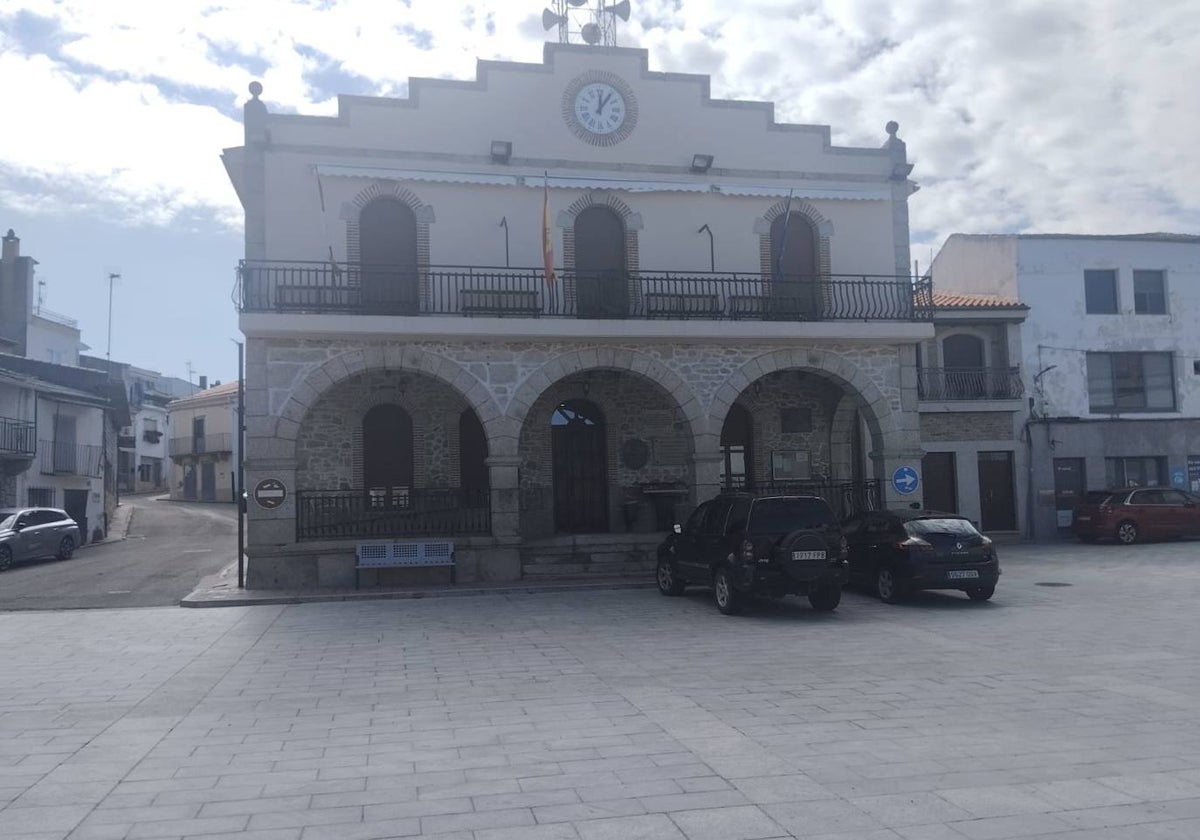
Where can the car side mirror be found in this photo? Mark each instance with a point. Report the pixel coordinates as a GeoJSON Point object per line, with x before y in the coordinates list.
{"type": "Point", "coordinates": [677, 528]}
{"type": "Point", "coordinates": [17, 526]}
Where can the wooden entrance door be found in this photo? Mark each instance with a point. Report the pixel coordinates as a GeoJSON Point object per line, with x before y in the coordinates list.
{"type": "Point", "coordinates": [941, 489]}
{"type": "Point", "coordinates": [208, 481]}
{"type": "Point", "coordinates": [794, 266]}
{"type": "Point", "coordinates": [577, 444]}
{"type": "Point", "coordinates": [388, 456]}
{"type": "Point", "coordinates": [600, 285]}
{"type": "Point", "coordinates": [996, 497]}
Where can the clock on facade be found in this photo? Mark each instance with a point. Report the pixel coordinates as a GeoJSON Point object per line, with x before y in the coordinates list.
{"type": "Point", "coordinates": [600, 108]}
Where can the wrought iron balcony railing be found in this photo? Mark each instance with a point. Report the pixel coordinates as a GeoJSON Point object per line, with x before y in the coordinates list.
{"type": "Point", "coordinates": [326, 287]}
{"type": "Point", "coordinates": [67, 458]}
{"type": "Point", "coordinates": [17, 437]}
{"type": "Point", "coordinates": [394, 512]}
{"type": "Point", "coordinates": [947, 384]}
{"type": "Point", "coordinates": [206, 444]}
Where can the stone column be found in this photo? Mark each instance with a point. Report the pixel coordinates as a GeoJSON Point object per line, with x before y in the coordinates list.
{"type": "Point", "coordinates": [503, 562]}
{"type": "Point", "coordinates": [706, 469]}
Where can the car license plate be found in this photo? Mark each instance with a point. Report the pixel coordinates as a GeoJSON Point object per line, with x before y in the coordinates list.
{"type": "Point", "coordinates": [1083, 518]}
{"type": "Point", "coordinates": [960, 574]}
{"type": "Point", "coordinates": [808, 555]}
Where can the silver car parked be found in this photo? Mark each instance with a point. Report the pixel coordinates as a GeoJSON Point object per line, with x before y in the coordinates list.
{"type": "Point", "coordinates": [36, 532]}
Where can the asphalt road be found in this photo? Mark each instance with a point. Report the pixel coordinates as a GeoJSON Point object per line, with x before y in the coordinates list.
{"type": "Point", "coordinates": [170, 547]}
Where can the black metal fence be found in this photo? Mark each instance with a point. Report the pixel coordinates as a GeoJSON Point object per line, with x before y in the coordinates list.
{"type": "Point", "coordinates": [970, 384]}
{"type": "Point", "coordinates": [17, 436]}
{"type": "Point", "coordinates": [64, 458]}
{"type": "Point", "coordinates": [328, 287]}
{"type": "Point", "coordinates": [372, 514]}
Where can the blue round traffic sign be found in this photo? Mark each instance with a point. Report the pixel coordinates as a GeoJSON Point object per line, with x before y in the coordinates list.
{"type": "Point", "coordinates": [905, 480]}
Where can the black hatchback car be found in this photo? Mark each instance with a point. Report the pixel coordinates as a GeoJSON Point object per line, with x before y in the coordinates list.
{"type": "Point", "coordinates": [742, 544]}
{"type": "Point", "coordinates": [897, 552]}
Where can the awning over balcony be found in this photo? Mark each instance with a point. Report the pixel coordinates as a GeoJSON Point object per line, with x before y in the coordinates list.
{"type": "Point", "coordinates": [851, 192]}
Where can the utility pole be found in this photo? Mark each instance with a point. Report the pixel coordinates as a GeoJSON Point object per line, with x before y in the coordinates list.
{"type": "Point", "coordinates": [108, 352]}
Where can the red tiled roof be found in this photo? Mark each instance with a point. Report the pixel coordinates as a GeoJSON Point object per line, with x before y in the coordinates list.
{"type": "Point", "coordinates": [957, 300]}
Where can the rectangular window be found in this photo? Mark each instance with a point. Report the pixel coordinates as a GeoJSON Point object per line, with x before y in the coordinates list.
{"type": "Point", "coordinates": [1149, 293]}
{"type": "Point", "coordinates": [1135, 472]}
{"type": "Point", "coordinates": [1100, 291]}
{"type": "Point", "coordinates": [1130, 382]}
{"type": "Point", "coordinates": [41, 497]}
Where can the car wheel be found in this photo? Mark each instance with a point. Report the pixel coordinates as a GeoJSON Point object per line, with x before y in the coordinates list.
{"type": "Point", "coordinates": [825, 599]}
{"type": "Point", "coordinates": [66, 548]}
{"type": "Point", "coordinates": [981, 594]}
{"type": "Point", "coordinates": [5, 557]}
{"type": "Point", "coordinates": [728, 600]}
{"type": "Point", "coordinates": [888, 586]}
{"type": "Point", "coordinates": [1127, 532]}
{"type": "Point", "coordinates": [668, 583]}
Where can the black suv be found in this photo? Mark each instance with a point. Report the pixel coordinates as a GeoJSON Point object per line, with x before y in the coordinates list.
{"type": "Point", "coordinates": [743, 544]}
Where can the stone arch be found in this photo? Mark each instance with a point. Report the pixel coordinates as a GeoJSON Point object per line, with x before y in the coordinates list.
{"type": "Point", "coordinates": [566, 220]}
{"type": "Point", "coordinates": [875, 407]}
{"type": "Point", "coordinates": [822, 227]}
{"type": "Point", "coordinates": [626, 361]}
{"type": "Point", "coordinates": [501, 436]}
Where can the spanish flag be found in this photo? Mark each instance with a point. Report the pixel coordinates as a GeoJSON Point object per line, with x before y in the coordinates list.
{"type": "Point", "coordinates": [547, 234]}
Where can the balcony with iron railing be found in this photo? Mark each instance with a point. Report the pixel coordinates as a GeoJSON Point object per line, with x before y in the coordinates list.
{"type": "Point", "coordinates": [350, 288]}
{"type": "Point", "coordinates": [59, 457]}
{"type": "Point", "coordinates": [201, 445]}
{"type": "Point", "coordinates": [964, 384]}
{"type": "Point", "coordinates": [18, 438]}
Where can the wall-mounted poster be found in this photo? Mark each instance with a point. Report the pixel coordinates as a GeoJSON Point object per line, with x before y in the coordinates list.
{"type": "Point", "coordinates": [791, 465]}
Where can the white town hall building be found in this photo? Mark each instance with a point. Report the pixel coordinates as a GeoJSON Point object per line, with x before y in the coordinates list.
{"type": "Point", "coordinates": [731, 306]}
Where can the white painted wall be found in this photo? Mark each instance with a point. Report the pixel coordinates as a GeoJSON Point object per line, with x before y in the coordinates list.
{"type": "Point", "coordinates": [89, 431]}
{"type": "Point", "coordinates": [49, 341]}
{"type": "Point", "coordinates": [1058, 330]}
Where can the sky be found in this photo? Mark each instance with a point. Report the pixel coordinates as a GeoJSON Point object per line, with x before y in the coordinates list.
{"type": "Point", "coordinates": [1054, 116]}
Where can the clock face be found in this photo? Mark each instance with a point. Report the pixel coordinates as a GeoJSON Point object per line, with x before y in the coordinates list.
{"type": "Point", "coordinates": [600, 108]}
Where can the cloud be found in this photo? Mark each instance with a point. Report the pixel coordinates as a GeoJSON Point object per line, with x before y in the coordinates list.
{"type": "Point", "coordinates": [1036, 116]}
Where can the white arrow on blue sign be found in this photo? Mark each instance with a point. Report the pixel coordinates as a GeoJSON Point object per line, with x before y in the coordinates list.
{"type": "Point", "coordinates": [905, 480]}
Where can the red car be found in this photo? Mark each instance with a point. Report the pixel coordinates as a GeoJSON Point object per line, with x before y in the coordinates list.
{"type": "Point", "coordinates": [1136, 513]}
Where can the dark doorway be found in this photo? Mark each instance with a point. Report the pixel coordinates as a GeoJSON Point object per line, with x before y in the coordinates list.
{"type": "Point", "coordinates": [208, 481]}
{"type": "Point", "coordinates": [75, 504]}
{"type": "Point", "coordinates": [997, 501]}
{"type": "Point", "coordinates": [941, 487]}
{"type": "Point", "coordinates": [388, 455]}
{"type": "Point", "coordinates": [1070, 482]}
{"type": "Point", "coordinates": [387, 230]}
{"type": "Point", "coordinates": [577, 444]}
{"type": "Point", "coordinates": [473, 475]}
{"type": "Point", "coordinates": [189, 482]}
{"type": "Point", "coordinates": [794, 278]}
{"type": "Point", "coordinates": [962, 358]}
{"type": "Point", "coordinates": [600, 284]}
{"type": "Point", "coordinates": [737, 449]}
{"type": "Point", "coordinates": [198, 438]}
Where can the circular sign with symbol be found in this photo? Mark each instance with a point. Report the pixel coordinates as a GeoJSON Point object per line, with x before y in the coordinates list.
{"type": "Point", "coordinates": [270, 493]}
{"type": "Point", "coordinates": [905, 480]}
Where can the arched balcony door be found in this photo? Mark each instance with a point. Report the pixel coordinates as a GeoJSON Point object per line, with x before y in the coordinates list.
{"type": "Point", "coordinates": [387, 230]}
{"type": "Point", "coordinates": [580, 468]}
{"type": "Point", "coordinates": [795, 275]}
{"type": "Point", "coordinates": [388, 456]}
{"type": "Point", "coordinates": [737, 449]}
{"type": "Point", "coordinates": [600, 283]}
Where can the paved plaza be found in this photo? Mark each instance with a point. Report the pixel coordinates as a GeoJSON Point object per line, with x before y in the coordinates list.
{"type": "Point", "coordinates": [1067, 711]}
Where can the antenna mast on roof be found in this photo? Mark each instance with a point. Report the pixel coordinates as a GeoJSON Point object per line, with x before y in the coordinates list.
{"type": "Point", "coordinates": [593, 23]}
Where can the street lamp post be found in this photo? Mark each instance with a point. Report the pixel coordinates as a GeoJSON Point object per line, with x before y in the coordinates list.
{"type": "Point", "coordinates": [108, 350]}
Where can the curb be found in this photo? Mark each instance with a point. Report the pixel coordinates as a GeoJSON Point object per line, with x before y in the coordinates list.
{"type": "Point", "coordinates": [203, 597]}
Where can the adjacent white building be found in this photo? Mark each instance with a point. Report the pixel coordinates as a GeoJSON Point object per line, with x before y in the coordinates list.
{"type": "Point", "coordinates": [1110, 357]}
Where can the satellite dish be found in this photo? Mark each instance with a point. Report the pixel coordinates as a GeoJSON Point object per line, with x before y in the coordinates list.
{"type": "Point", "coordinates": [590, 33]}
{"type": "Point", "coordinates": [621, 10]}
{"type": "Point", "coordinates": [550, 20]}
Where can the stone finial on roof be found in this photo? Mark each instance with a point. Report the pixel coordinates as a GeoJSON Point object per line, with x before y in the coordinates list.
{"type": "Point", "coordinates": [254, 115]}
{"type": "Point", "coordinates": [899, 152]}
